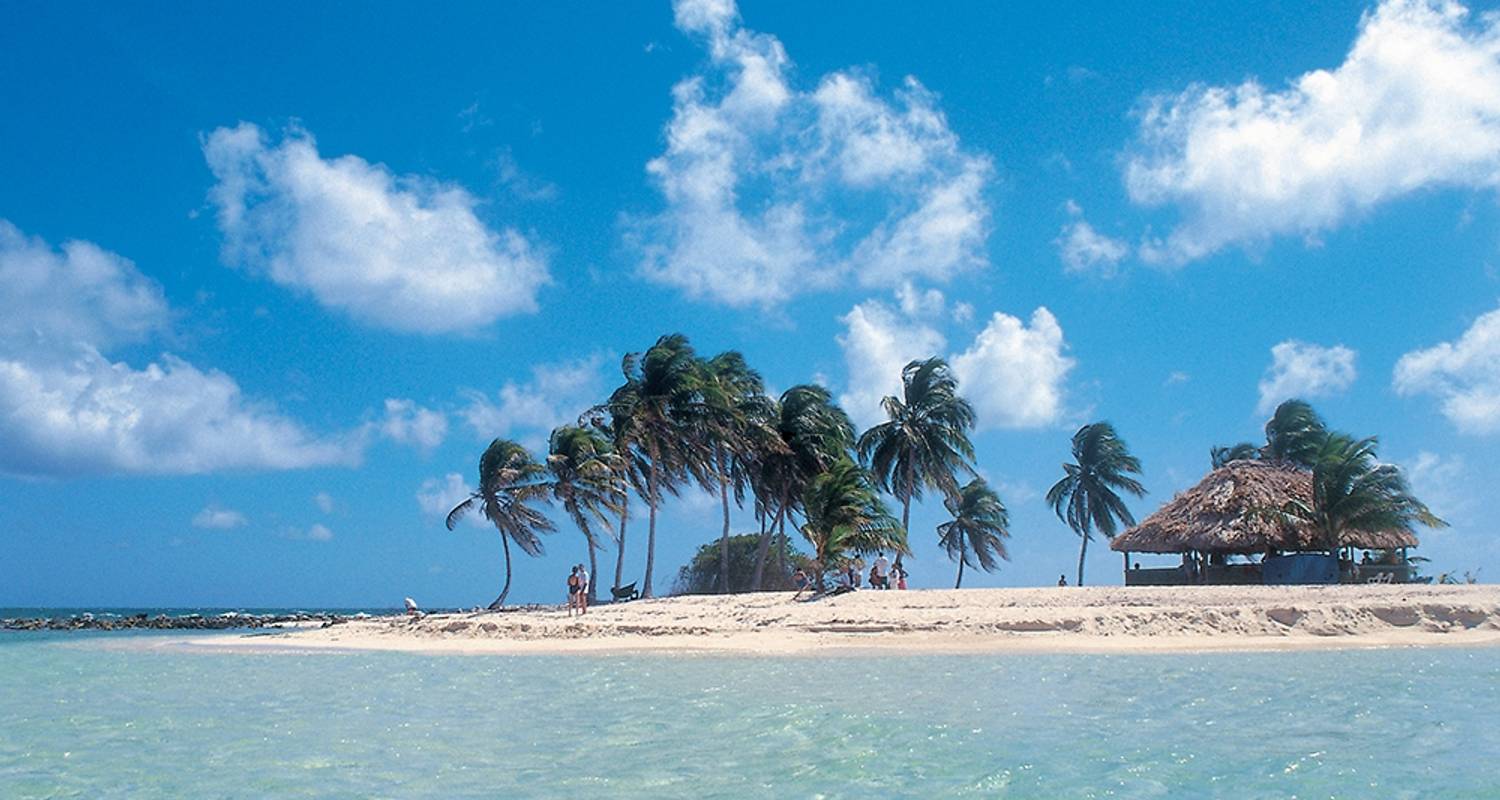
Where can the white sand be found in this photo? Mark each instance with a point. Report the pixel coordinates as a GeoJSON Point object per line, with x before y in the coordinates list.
{"type": "Point", "coordinates": [1053, 619]}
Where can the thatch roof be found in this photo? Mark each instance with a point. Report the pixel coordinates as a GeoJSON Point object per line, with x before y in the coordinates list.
{"type": "Point", "coordinates": [1226, 513]}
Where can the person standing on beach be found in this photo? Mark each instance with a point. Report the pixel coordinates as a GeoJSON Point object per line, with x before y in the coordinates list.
{"type": "Point", "coordinates": [574, 584]}
{"type": "Point", "coordinates": [1062, 580]}
{"type": "Point", "coordinates": [880, 572]}
{"type": "Point", "coordinates": [583, 590]}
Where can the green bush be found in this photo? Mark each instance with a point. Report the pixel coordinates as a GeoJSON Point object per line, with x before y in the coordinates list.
{"type": "Point", "coordinates": [701, 574]}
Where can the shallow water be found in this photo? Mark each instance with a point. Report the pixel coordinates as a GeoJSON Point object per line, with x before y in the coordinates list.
{"type": "Point", "coordinates": [84, 717]}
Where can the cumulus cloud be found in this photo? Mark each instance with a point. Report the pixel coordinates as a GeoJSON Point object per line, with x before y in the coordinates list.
{"type": "Point", "coordinates": [319, 533]}
{"type": "Point", "coordinates": [88, 415]}
{"type": "Point", "coordinates": [556, 394]}
{"type": "Point", "coordinates": [1299, 369]}
{"type": "Point", "coordinates": [1014, 373]}
{"type": "Point", "coordinates": [408, 423]}
{"type": "Point", "coordinates": [324, 501]}
{"type": "Point", "coordinates": [78, 292]}
{"type": "Point", "coordinates": [772, 189]}
{"type": "Point", "coordinates": [395, 251]}
{"type": "Point", "coordinates": [67, 410]}
{"type": "Point", "coordinates": [437, 496]}
{"type": "Point", "coordinates": [1414, 105]}
{"type": "Point", "coordinates": [222, 519]}
{"type": "Point", "coordinates": [877, 342]}
{"type": "Point", "coordinates": [1464, 375]}
{"type": "Point", "coordinates": [1442, 483]}
{"type": "Point", "coordinates": [1084, 249]}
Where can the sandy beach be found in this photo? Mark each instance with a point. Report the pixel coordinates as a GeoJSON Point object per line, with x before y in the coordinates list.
{"type": "Point", "coordinates": [1091, 619]}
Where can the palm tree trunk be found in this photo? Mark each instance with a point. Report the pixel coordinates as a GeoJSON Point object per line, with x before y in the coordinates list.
{"type": "Point", "coordinates": [652, 501]}
{"type": "Point", "coordinates": [781, 548]}
{"type": "Point", "coordinates": [962, 553]}
{"type": "Point", "coordinates": [1083, 549]}
{"type": "Point", "coordinates": [906, 500]}
{"type": "Point", "coordinates": [620, 547]}
{"type": "Point", "coordinates": [724, 538]}
{"type": "Point", "coordinates": [762, 550]}
{"type": "Point", "coordinates": [504, 590]}
{"type": "Point", "coordinates": [593, 571]}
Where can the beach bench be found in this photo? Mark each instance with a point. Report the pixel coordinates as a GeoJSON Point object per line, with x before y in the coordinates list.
{"type": "Point", "coordinates": [624, 593]}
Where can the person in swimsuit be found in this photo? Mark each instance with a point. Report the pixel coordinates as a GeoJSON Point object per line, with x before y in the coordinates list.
{"type": "Point", "coordinates": [583, 590]}
{"type": "Point", "coordinates": [575, 586]}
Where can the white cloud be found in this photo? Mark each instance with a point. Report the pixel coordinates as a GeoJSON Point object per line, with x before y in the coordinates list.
{"type": "Point", "coordinates": [1299, 369]}
{"type": "Point", "coordinates": [67, 410]}
{"type": "Point", "coordinates": [1414, 105]}
{"type": "Point", "coordinates": [878, 342]}
{"type": "Point", "coordinates": [324, 501]}
{"type": "Point", "coordinates": [438, 496]}
{"type": "Point", "coordinates": [771, 190]}
{"type": "Point", "coordinates": [1084, 249]}
{"type": "Point", "coordinates": [1464, 375]}
{"type": "Point", "coordinates": [75, 293]}
{"type": "Point", "coordinates": [86, 415]}
{"type": "Point", "coordinates": [222, 519]}
{"type": "Point", "coordinates": [408, 423]}
{"type": "Point", "coordinates": [1012, 373]}
{"type": "Point", "coordinates": [395, 251]}
{"type": "Point", "coordinates": [556, 394]}
{"type": "Point", "coordinates": [1441, 482]}
{"type": "Point", "coordinates": [319, 533]}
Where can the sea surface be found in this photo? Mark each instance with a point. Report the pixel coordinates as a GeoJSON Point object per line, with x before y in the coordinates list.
{"type": "Point", "coordinates": [123, 716]}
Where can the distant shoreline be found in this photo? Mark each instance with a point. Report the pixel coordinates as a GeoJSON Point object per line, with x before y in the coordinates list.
{"type": "Point", "coordinates": [1092, 619]}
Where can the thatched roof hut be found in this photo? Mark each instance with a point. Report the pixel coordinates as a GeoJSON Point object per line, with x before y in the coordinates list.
{"type": "Point", "coordinates": [1225, 513]}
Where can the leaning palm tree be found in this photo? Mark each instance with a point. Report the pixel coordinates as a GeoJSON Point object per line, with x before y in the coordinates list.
{"type": "Point", "coordinates": [1354, 492]}
{"type": "Point", "coordinates": [846, 517]}
{"type": "Point", "coordinates": [736, 426]}
{"type": "Point", "coordinates": [811, 434]}
{"type": "Point", "coordinates": [1221, 455]}
{"type": "Point", "coordinates": [652, 415]}
{"type": "Point", "coordinates": [976, 535]}
{"type": "Point", "coordinates": [1086, 497]}
{"type": "Point", "coordinates": [925, 440]}
{"type": "Point", "coordinates": [1294, 434]}
{"type": "Point", "coordinates": [588, 482]}
{"type": "Point", "coordinates": [510, 481]}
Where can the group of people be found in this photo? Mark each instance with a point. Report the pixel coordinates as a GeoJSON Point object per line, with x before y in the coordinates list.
{"type": "Point", "coordinates": [578, 590]}
{"type": "Point", "coordinates": [883, 575]}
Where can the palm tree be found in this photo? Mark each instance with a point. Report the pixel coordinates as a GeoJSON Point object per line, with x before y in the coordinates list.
{"type": "Point", "coordinates": [925, 440]}
{"type": "Point", "coordinates": [652, 415]}
{"type": "Point", "coordinates": [1354, 492]}
{"type": "Point", "coordinates": [976, 535]}
{"type": "Point", "coordinates": [1294, 434]}
{"type": "Point", "coordinates": [588, 483]}
{"type": "Point", "coordinates": [845, 516]}
{"type": "Point", "coordinates": [737, 428]}
{"type": "Point", "coordinates": [811, 434]}
{"type": "Point", "coordinates": [510, 480]}
{"type": "Point", "coordinates": [1085, 498]}
{"type": "Point", "coordinates": [1219, 455]}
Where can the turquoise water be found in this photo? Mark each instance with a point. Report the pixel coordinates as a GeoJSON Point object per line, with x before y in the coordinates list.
{"type": "Point", "coordinates": [86, 717]}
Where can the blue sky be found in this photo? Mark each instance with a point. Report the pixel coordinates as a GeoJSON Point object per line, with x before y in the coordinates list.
{"type": "Point", "coordinates": [273, 275]}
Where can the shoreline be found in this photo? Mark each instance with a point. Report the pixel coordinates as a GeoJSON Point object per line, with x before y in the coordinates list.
{"type": "Point", "coordinates": [1049, 620]}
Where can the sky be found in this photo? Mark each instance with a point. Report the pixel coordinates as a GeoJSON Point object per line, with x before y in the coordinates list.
{"type": "Point", "coordinates": [273, 275]}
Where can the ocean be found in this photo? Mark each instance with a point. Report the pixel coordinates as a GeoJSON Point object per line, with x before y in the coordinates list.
{"type": "Point", "coordinates": [121, 716]}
